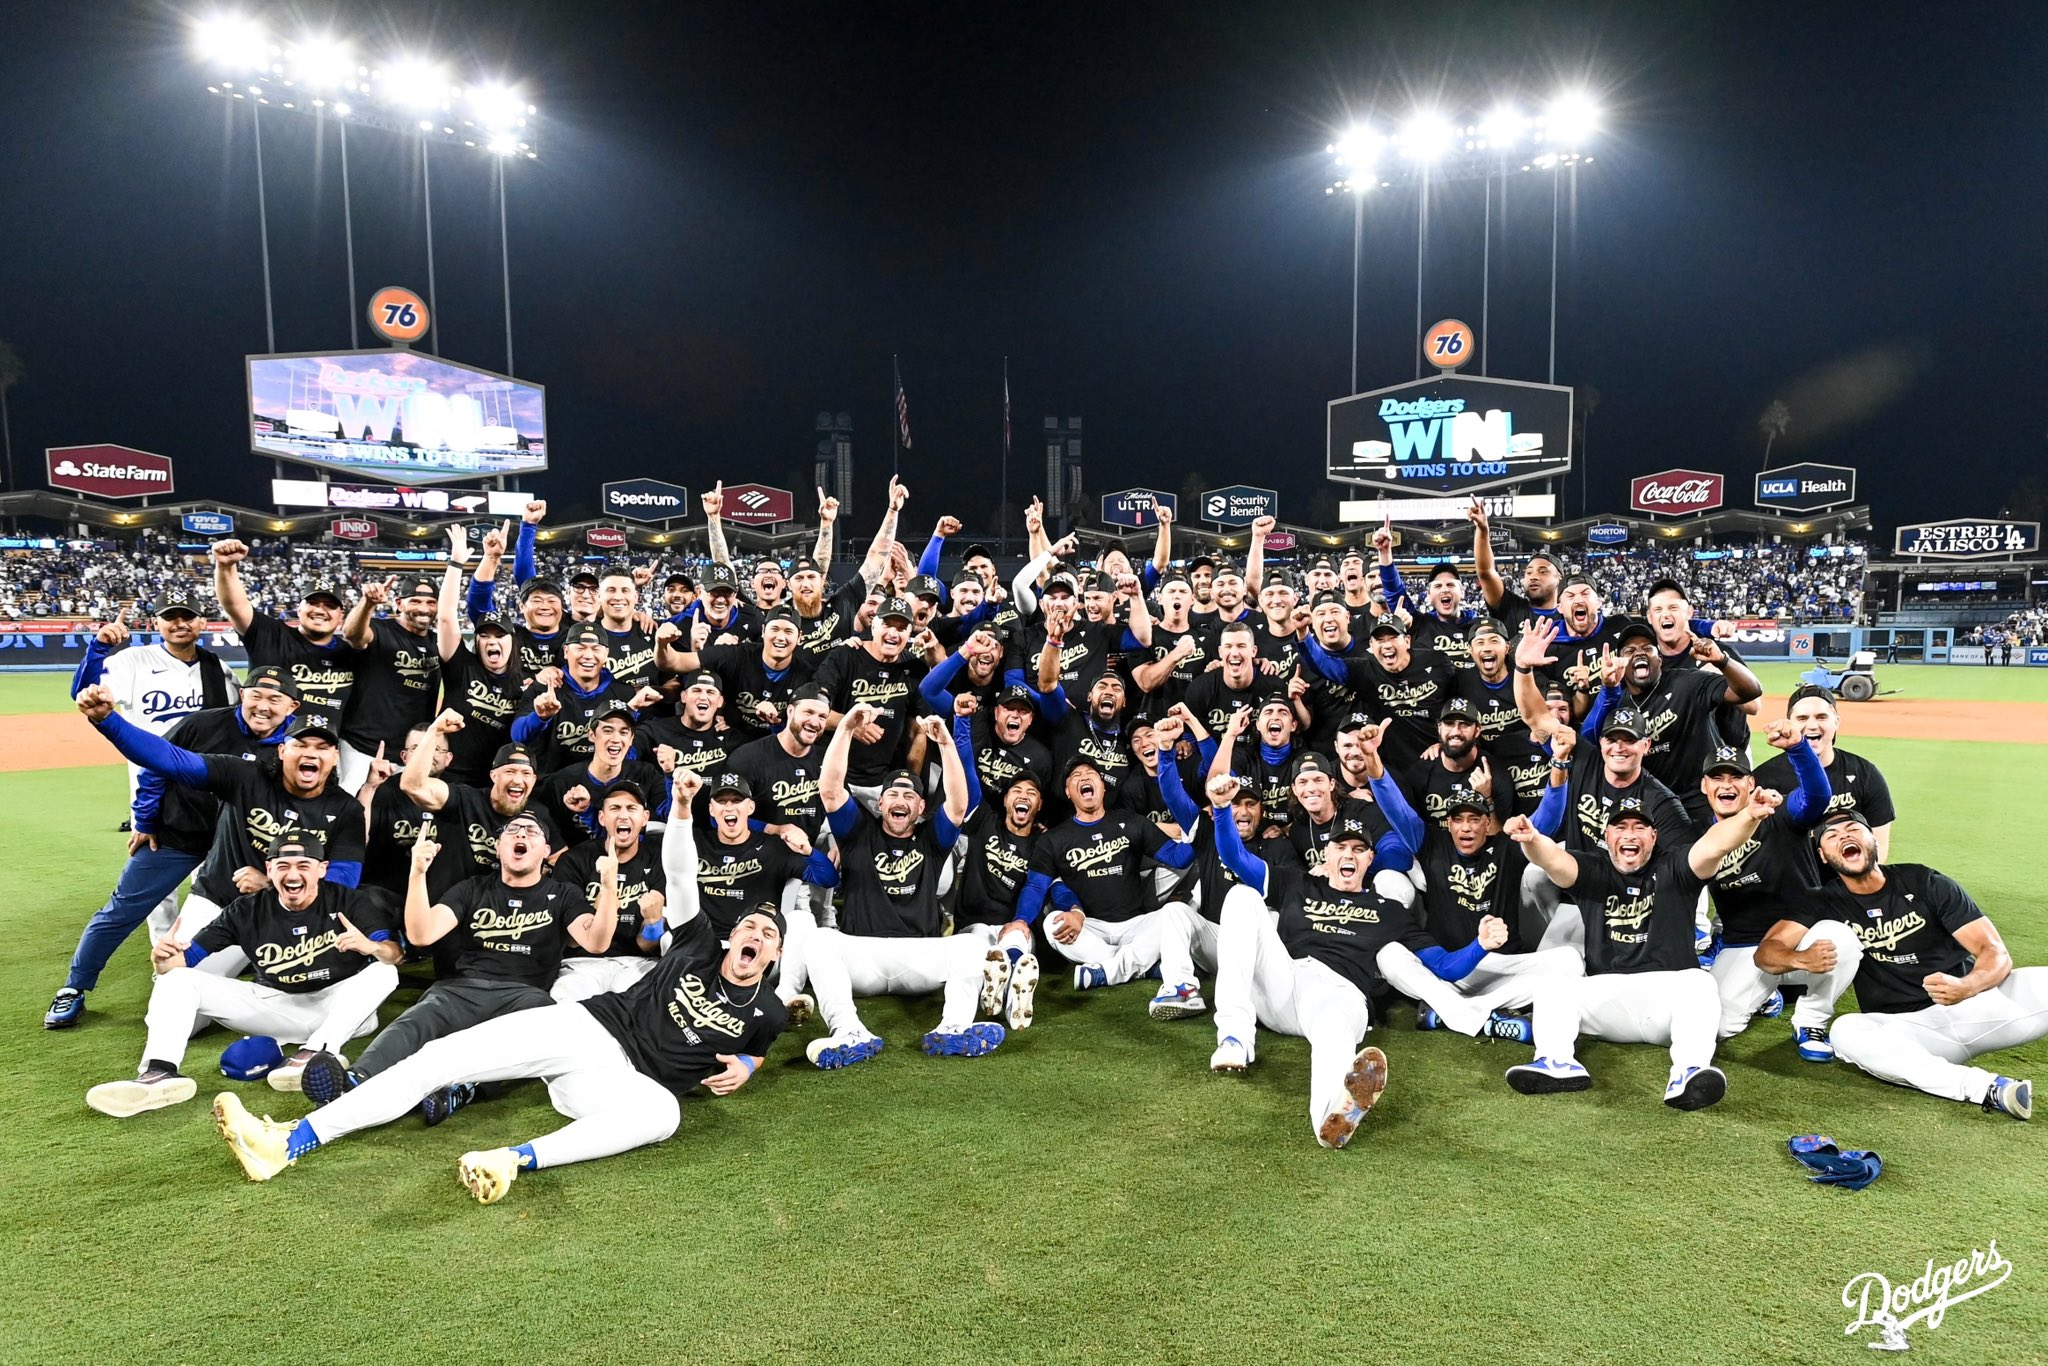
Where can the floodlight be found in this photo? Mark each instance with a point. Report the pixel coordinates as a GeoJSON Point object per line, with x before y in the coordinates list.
{"type": "Point", "coordinates": [233, 42]}
{"type": "Point", "coordinates": [322, 63]}
{"type": "Point", "coordinates": [1426, 136]}
{"type": "Point", "coordinates": [415, 83]}
{"type": "Point", "coordinates": [502, 144]}
{"type": "Point", "coordinates": [1572, 118]}
{"type": "Point", "coordinates": [1502, 128]}
{"type": "Point", "coordinates": [1359, 148]}
{"type": "Point", "coordinates": [497, 106]}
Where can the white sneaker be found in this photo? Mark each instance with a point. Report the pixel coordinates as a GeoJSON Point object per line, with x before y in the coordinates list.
{"type": "Point", "coordinates": [1230, 1056]}
{"type": "Point", "coordinates": [995, 981]}
{"type": "Point", "coordinates": [1364, 1081]}
{"type": "Point", "coordinates": [153, 1090]}
{"type": "Point", "coordinates": [1181, 1001]}
{"type": "Point", "coordinates": [1023, 988]}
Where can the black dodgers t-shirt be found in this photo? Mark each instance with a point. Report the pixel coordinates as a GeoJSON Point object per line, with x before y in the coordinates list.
{"type": "Point", "coordinates": [1213, 701]}
{"type": "Point", "coordinates": [260, 808]}
{"type": "Point", "coordinates": [324, 674]}
{"type": "Point", "coordinates": [515, 934]}
{"type": "Point", "coordinates": [732, 879]}
{"type": "Point", "coordinates": [997, 864]}
{"type": "Point", "coordinates": [1640, 921]}
{"type": "Point", "coordinates": [851, 675]}
{"type": "Point", "coordinates": [1907, 929]}
{"type": "Point", "coordinates": [673, 1023]}
{"type": "Point", "coordinates": [1344, 931]}
{"type": "Point", "coordinates": [293, 951]}
{"type": "Point", "coordinates": [785, 785]}
{"type": "Point", "coordinates": [1459, 890]}
{"type": "Point", "coordinates": [1592, 799]}
{"type": "Point", "coordinates": [638, 876]}
{"type": "Point", "coordinates": [398, 680]}
{"type": "Point", "coordinates": [1771, 876]}
{"type": "Point", "coordinates": [889, 887]}
{"type": "Point", "coordinates": [186, 817]}
{"type": "Point", "coordinates": [565, 737]}
{"type": "Point", "coordinates": [395, 825]}
{"type": "Point", "coordinates": [1102, 863]}
{"type": "Point", "coordinates": [749, 686]}
{"type": "Point", "coordinates": [486, 702]}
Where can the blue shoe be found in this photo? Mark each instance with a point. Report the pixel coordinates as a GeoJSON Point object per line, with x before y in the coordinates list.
{"type": "Point", "coordinates": [1508, 1028]}
{"type": "Point", "coordinates": [1813, 1044]}
{"type": "Point", "coordinates": [326, 1079]}
{"type": "Point", "coordinates": [65, 1009]}
{"type": "Point", "coordinates": [442, 1103]}
{"type": "Point", "coordinates": [2010, 1097]}
{"type": "Point", "coordinates": [1546, 1076]}
{"type": "Point", "coordinates": [1695, 1088]}
{"type": "Point", "coordinates": [1087, 978]}
{"type": "Point", "coordinates": [1425, 1018]}
{"type": "Point", "coordinates": [842, 1050]}
{"type": "Point", "coordinates": [1773, 1006]}
{"type": "Point", "coordinates": [1151, 974]}
{"type": "Point", "coordinates": [971, 1042]}
{"type": "Point", "coordinates": [1706, 946]}
{"type": "Point", "coordinates": [1179, 1002]}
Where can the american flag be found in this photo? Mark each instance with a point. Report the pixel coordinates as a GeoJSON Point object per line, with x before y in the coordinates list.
{"type": "Point", "coordinates": [902, 407]}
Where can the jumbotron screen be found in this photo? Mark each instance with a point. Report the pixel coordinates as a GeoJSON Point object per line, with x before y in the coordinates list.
{"type": "Point", "coordinates": [395, 414]}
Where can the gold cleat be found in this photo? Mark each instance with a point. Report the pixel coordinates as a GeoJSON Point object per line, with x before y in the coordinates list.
{"type": "Point", "coordinates": [1365, 1080]}
{"type": "Point", "coordinates": [258, 1144]}
{"type": "Point", "coordinates": [488, 1175]}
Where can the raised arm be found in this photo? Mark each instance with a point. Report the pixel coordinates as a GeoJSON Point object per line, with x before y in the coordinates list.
{"type": "Point", "coordinates": [1138, 635]}
{"type": "Point", "coordinates": [1726, 835]}
{"type": "Point", "coordinates": [1532, 652]}
{"type": "Point", "coordinates": [1248, 867]}
{"type": "Point", "coordinates": [525, 563]}
{"type": "Point", "coordinates": [227, 583]}
{"type": "Point", "coordinates": [1162, 545]}
{"type": "Point", "coordinates": [1255, 558]}
{"type": "Point", "coordinates": [714, 525]}
{"type": "Point", "coordinates": [832, 793]}
{"type": "Point", "coordinates": [1808, 802]}
{"type": "Point", "coordinates": [426, 920]}
{"type": "Point", "coordinates": [416, 780]}
{"type": "Point", "coordinates": [1743, 685]}
{"type": "Point", "coordinates": [828, 514]}
{"type": "Point", "coordinates": [137, 745]}
{"type": "Point", "coordinates": [355, 627]}
{"type": "Point", "coordinates": [952, 778]}
{"type": "Point", "coordinates": [876, 563]}
{"type": "Point", "coordinates": [679, 849]}
{"type": "Point", "coordinates": [595, 930]}
{"type": "Point", "coordinates": [1491, 585]}
{"type": "Point", "coordinates": [1558, 864]}
{"type": "Point", "coordinates": [447, 625]}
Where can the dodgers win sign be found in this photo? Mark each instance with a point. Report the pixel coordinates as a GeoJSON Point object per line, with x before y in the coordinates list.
{"type": "Point", "coordinates": [397, 415]}
{"type": "Point", "coordinates": [1451, 435]}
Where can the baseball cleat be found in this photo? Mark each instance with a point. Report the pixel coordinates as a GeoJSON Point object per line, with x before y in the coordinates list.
{"type": "Point", "coordinates": [842, 1050]}
{"type": "Point", "coordinates": [1695, 1088]}
{"type": "Point", "coordinates": [1230, 1056]}
{"type": "Point", "coordinates": [1087, 977]}
{"type": "Point", "coordinates": [1546, 1076]}
{"type": "Point", "coordinates": [158, 1085]}
{"type": "Point", "coordinates": [995, 981]}
{"type": "Point", "coordinates": [488, 1175]}
{"type": "Point", "coordinates": [1705, 946]}
{"type": "Point", "coordinates": [1813, 1043]}
{"type": "Point", "coordinates": [1508, 1028]}
{"type": "Point", "coordinates": [324, 1078]}
{"type": "Point", "coordinates": [1023, 989]}
{"type": "Point", "coordinates": [1773, 1006]}
{"type": "Point", "coordinates": [290, 1075]}
{"type": "Point", "coordinates": [258, 1144]}
{"type": "Point", "coordinates": [438, 1105]}
{"type": "Point", "coordinates": [800, 1008]}
{"type": "Point", "coordinates": [65, 1008]}
{"type": "Point", "coordinates": [2010, 1097]}
{"type": "Point", "coordinates": [1363, 1084]}
{"type": "Point", "coordinates": [1427, 1019]}
{"type": "Point", "coordinates": [971, 1042]}
{"type": "Point", "coordinates": [1182, 1001]}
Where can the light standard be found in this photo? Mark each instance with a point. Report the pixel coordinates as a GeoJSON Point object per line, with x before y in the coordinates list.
{"type": "Point", "coordinates": [1357, 154]}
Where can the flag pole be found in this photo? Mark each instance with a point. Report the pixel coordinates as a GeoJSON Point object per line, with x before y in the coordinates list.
{"type": "Point", "coordinates": [1003, 497]}
{"type": "Point", "coordinates": [895, 423]}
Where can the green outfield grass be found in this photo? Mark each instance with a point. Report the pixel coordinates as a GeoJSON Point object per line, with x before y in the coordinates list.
{"type": "Point", "coordinates": [1091, 1191]}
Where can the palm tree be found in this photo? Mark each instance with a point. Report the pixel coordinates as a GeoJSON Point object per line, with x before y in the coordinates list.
{"type": "Point", "coordinates": [11, 374]}
{"type": "Point", "coordinates": [1589, 404]}
{"type": "Point", "coordinates": [1772, 424]}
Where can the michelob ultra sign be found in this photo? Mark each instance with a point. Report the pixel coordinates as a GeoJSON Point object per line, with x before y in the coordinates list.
{"type": "Point", "coordinates": [1451, 435]}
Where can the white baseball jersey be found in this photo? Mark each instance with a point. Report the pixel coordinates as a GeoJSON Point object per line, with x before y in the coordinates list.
{"type": "Point", "coordinates": [155, 690]}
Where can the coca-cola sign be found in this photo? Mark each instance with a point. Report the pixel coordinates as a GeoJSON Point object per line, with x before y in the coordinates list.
{"type": "Point", "coordinates": [1675, 493]}
{"type": "Point", "coordinates": [353, 529]}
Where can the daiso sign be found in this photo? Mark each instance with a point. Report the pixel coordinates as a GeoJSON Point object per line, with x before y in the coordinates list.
{"type": "Point", "coordinates": [1675, 493]}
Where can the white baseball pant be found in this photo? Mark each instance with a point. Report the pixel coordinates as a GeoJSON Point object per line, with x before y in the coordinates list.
{"type": "Point", "coordinates": [1927, 1049]}
{"type": "Point", "coordinates": [583, 978]}
{"type": "Point", "coordinates": [1258, 984]}
{"type": "Point", "coordinates": [800, 927]}
{"type": "Point", "coordinates": [1744, 986]}
{"type": "Point", "coordinates": [613, 1105]}
{"type": "Point", "coordinates": [1187, 945]}
{"type": "Point", "coordinates": [195, 915]}
{"type": "Point", "coordinates": [1124, 949]}
{"type": "Point", "coordinates": [1543, 904]}
{"type": "Point", "coordinates": [845, 965]}
{"type": "Point", "coordinates": [1500, 980]}
{"type": "Point", "coordinates": [184, 998]}
{"type": "Point", "coordinates": [1679, 1008]}
{"type": "Point", "coordinates": [352, 769]}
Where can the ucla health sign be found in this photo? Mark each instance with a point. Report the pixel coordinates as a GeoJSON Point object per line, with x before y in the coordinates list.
{"type": "Point", "coordinates": [1805, 488]}
{"type": "Point", "coordinates": [1451, 435]}
{"type": "Point", "coordinates": [1966, 540]}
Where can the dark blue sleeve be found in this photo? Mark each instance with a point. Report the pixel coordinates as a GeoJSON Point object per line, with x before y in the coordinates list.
{"type": "Point", "coordinates": [1205, 751]}
{"type": "Point", "coordinates": [1452, 967]}
{"type": "Point", "coordinates": [1053, 705]}
{"type": "Point", "coordinates": [1249, 868]}
{"type": "Point", "coordinates": [523, 566]}
{"type": "Point", "coordinates": [928, 562]}
{"type": "Point", "coordinates": [1178, 803]}
{"type": "Point", "coordinates": [481, 599]}
{"type": "Point", "coordinates": [1031, 901]}
{"type": "Point", "coordinates": [963, 743]}
{"type": "Point", "coordinates": [1131, 642]}
{"type": "Point", "coordinates": [1806, 804]}
{"type": "Point", "coordinates": [845, 820]}
{"type": "Point", "coordinates": [1389, 853]}
{"type": "Point", "coordinates": [820, 871]}
{"type": "Point", "coordinates": [937, 687]}
{"type": "Point", "coordinates": [1394, 588]}
{"type": "Point", "coordinates": [1401, 817]}
{"type": "Point", "coordinates": [943, 829]}
{"type": "Point", "coordinates": [1176, 853]}
{"type": "Point", "coordinates": [1548, 818]}
{"type": "Point", "coordinates": [344, 874]}
{"type": "Point", "coordinates": [92, 668]}
{"type": "Point", "coordinates": [970, 620]}
{"type": "Point", "coordinates": [524, 728]}
{"type": "Point", "coordinates": [1603, 701]}
{"type": "Point", "coordinates": [194, 955]}
{"type": "Point", "coordinates": [1323, 662]}
{"type": "Point", "coordinates": [153, 752]}
{"type": "Point", "coordinates": [1064, 897]}
{"type": "Point", "coordinates": [149, 799]}
{"type": "Point", "coordinates": [1701, 626]}
{"type": "Point", "coordinates": [1148, 575]}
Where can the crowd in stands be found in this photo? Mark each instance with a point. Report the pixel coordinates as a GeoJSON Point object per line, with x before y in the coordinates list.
{"type": "Point", "coordinates": [1778, 581]}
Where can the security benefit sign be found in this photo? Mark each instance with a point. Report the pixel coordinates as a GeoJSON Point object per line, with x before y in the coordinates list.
{"type": "Point", "coordinates": [1967, 540]}
{"type": "Point", "coordinates": [1451, 435]}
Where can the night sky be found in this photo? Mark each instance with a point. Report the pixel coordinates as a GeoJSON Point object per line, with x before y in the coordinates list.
{"type": "Point", "coordinates": [741, 212]}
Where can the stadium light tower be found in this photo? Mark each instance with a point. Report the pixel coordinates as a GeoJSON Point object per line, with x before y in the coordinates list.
{"type": "Point", "coordinates": [1426, 138]}
{"type": "Point", "coordinates": [1357, 155]}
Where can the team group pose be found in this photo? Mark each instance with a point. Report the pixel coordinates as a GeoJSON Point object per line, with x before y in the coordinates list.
{"type": "Point", "coordinates": [628, 832]}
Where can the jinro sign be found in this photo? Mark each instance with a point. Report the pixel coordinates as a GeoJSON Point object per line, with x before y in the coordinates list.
{"type": "Point", "coordinates": [1967, 540]}
{"type": "Point", "coordinates": [1676, 493]}
{"type": "Point", "coordinates": [352, 529]}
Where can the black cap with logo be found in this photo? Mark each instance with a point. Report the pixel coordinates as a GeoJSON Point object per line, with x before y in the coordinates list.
{"type": "Point", "coordinates": [275, 677]}
{"type": "Point", "coordinates": [298, 842]}
{"type": "Point", "coordinates": [178, 600]}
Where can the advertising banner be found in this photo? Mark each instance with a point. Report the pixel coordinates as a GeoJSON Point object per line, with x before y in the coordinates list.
{"type": "Point", "coordinates": [1962, 539]}
{"type": "Point", "coordinates": [108, 471]}
{"type": "Point", "coordinates": [1445, 509]}
{"type": "Point", "coordinates": [1451, 434]}
{"type": "Point", "coordinates": [1607, 533]}
{"type": "Point", "coordinates": [352, 529]}
{"type": "Point", "coordinates": [1805, 488]}
{"type": "Point", "coordinates": [1675, 493]}
{"type": "Point", "coordinates": [1133, 507]}
{"type": "Point", "coordinates": [606, 538]}
{"type": "Point", "coordinates": [207, 523]}
{"type": "Point", "coordinates": [1239, 505]}
{"type": "Point", "coordinates": [758, 505]}
{"type": "Point", "coordinates": [439, 502]}
{"type": "Point", "coordinates": [644, 500]}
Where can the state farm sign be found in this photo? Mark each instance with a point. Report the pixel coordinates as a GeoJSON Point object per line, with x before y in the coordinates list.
{"type": "Point", "coordinates": [108, 471]}
{"type": "Point", "coordinates": [1675, 493]}
{"type": "Point", "coordinates": [353, 529]}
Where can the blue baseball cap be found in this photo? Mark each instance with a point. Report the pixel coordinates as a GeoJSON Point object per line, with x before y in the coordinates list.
{"type": "Point", "coordinates": [251, 1058]}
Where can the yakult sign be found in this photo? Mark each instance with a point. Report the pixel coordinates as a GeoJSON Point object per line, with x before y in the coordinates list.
{"type": "Point", "coordinates": [1675, 493]}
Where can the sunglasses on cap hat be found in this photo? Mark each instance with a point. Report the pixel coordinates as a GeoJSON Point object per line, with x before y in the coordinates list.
{"type": "Point", "coordinates": [275, 677]}
{"type": "Point", "coordinates": [904, 779]}
{"type": "Point", "coordinates": [299, 843]}
{"type": "Point", "coordinates": [583, 633]}
{"type": "Point", "coordinates": [511, 754]}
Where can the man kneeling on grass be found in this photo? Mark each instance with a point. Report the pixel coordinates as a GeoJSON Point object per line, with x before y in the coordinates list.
{"type": "Point", "coordinates": [319, 977]}
{"type": "Point", "coordinates": [616, 1065]}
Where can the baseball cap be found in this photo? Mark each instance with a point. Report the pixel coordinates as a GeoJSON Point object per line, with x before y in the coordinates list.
{"type": "Point", "coordinates": [1247, 791]}
{"type": "Point", "coordinates": [1227, 568]}
{"type": "Point", "coordinates": [1279, 578]}
{"type": "Point", "coordinates": [1309, 762]}
{"type": "Point", "coordinates": [178, 599]}
{"type": "Point", "coordinates": [1329, 598]}
{"type": "Point", "coordinates": [1351, 829]}
{"type": "Point", "coordinates": [611, 709]}
{"type": "Point", "coordinates": [1141, 721]}
{"type": "Point", "coordinates": [1569, 579]}
{"type": "Point", "coordinates": [720, 577]}
{"type": "Point", "coordinates": [584, 633]}
{"type": "Point", "coordinates": [298, 842]}
{"type": "Point", "coordinates": [1487, 626]}
{"type": "Point", "coordinates": [491, 621]}
{"type": "Point", "coordinates": [276, 677]}
{"type": "Point", "coordinates": [962, 577]}
{"type": "Point", "coordinates": [1624, 721]}
{"type": "Point", "coordinates": [584, 575]}
{"type": "Point", "coordinates": [1016, 695]}
{"type": "Point", "coordinates": [1841, 815]}
{"type": "Point", "coordinates": [1095, 581]}
{"type": "Point", "coordinates": [1442, 570]}
{"type": "Point", "coordinates": [903, 778]}
{"type": "Point", "coordinates": [418, 588]}
{"type": "Point", "coordinates": [514, 753]}
{"type": "Point", "coordinates": [251, 1058]}
{"type": "Point", "coordinates": [722, 783]}
{"type": "Point", "coordinates": [809, 692]}
{"type": "Point", "coordinates": [1635, 628]}
{"type": "Point", "coordinates": [805, 565]}
{"type": "Point", "coordinates": [1063, 577]}
{"type": "Point", "coordinates": [894, 607]}
{"type": "Point", "coordinates": [1173, 576]}
{"type": "Point", "coordinates": [1389, 625]}
{"type": "Point", "coordinates": [1323, 562]}
{"type": "Point", "coordinates": [1458, 709]}
{"type": "Point", "coordinates": [1075, 764]}
{"type": "Point", "coordinates": [537, 817]}
{"type": "Point", "coordinates": [784, 612]}
{"type": "Point", "coordinates": [1629, 809]}
{"type": "Point", "coordinates": [627, 786]}
{"type": "Point", "coordinates": [537, 586]}
{"type": "Point", "coordinates": [1665, 585]}
{"type": "Point", "coordinates": [1806, 690]}
{"type": "Point", "coordinates": [679, 581]}
{"type": "Point", "coordinates": [1466, 799]}
{"type": "Point", "coordinates": [315, 728]}
{"type": "Point", "coordinates": [324, 589]}
{"type": "Point", "coordinates": [1022, 775]}
{"type": "Point", "coordinates": [774, 913]}
{"type": "Point", "coordinates": [926, 586]}
{"type": "Point", "coordinates": [1200, 560]}
{"type": "Point", "coordinates": [1726, 759]}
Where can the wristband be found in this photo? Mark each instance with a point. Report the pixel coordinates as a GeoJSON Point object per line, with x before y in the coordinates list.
{"type": "Point", "coordinates": [1521, 669]}
{"type": "Point", "coordinates": [1561, 765]}
{"type": "Point", "coordinates": [651, 934]}
{"type": "Point", "coordinates": [748, 1059]}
